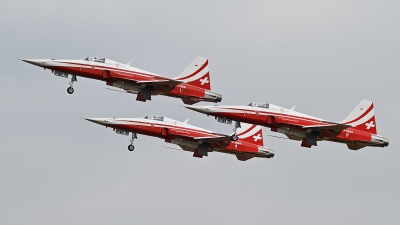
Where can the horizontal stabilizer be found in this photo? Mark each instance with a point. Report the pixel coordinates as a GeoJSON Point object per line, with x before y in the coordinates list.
{"type": "Point", "coordinates": [243, 157]}
{"type": "Point", "coordinates": [189, 101]}
{"type": "Point", "coordinates": [355, 147]}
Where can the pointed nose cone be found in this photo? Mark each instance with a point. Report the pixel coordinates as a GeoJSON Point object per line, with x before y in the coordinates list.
{"type": "Point", "coordinates": [201, 109]}
{"type": "Point", "coordinates": [36, 62]}
{"type": "Point", "coordinates": [101, 121]}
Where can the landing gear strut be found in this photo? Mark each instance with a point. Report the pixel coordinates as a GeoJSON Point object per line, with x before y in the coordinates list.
{"type": "Point", "coordinates": [234, 136]}
{"type": "Point", "coordinates": [131, 147]}
{"type": "Point", "coordinates": [70, 89]}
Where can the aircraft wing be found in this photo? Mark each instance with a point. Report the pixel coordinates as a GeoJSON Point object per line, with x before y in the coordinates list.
{"type": "Point", "coordinates": [332, 126]}
{"type": "Point", "coordinates": [156, 81]}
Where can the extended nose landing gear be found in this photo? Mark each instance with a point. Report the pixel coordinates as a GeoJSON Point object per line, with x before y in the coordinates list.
{"type": "Point", "coordinates": [131, 147]}
{"type": "Point", "coordinates": [70, 90]}
{"type": "Point", "coordinates": [234, 136]}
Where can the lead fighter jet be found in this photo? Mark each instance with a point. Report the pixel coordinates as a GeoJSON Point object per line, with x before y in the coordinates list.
{"type": "Point", "coordinates": [191, 138]}
{"type": "Point", "coordinates": [192, 85]}
{"type": "Point", "coordinates": [357, 130]}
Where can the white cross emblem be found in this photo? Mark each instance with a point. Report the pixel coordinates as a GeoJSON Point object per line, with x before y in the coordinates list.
{"type": "Point", "coordinates": [204, 81]}
{"type": "Point", "coordinates": [257, 137]}
{"type": "Point", "coordinates": [370, 124]}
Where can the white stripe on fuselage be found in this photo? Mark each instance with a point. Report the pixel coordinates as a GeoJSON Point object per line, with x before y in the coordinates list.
{"type": "Point", "coordinates": [148, 122]}
{"type": "Point", "coordinates": [97, 65]}
{"type": "Point", "coordinates": [275, 110]}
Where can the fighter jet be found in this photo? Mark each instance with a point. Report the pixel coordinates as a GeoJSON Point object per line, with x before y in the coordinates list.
{"type": "Point", "coordinates": [191, 138]}
{"type": "Point", "coordinates": [192, 85]}
{"type": "Point", "coordinates": [357, 130]}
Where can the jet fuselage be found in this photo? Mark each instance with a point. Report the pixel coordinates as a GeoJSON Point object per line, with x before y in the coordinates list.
{"type": "Point", "coordinates": [188, 137]}
{"type": "Point", "coordinates": [299, 126]}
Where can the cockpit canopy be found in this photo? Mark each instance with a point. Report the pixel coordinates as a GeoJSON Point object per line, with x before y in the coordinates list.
{"type": "Point", "coordinates": [159, 118]}
{"type": "Point", "coordinates": [261, 105]}
{"type": "Point", "coordinates": [96, 59]}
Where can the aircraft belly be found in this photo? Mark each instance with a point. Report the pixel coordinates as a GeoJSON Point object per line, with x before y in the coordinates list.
{"type": "Point", "coordinates": [242, 117]}
{"type": "Point", "coordinates": [291, 132]}
{"type": "Point", "coordinates": [78, 71]}
{"type": "Point", "coordinates": [148, 130]}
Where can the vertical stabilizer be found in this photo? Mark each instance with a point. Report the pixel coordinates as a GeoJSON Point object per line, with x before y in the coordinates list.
{"type": "Point", "coordinates": [362, 117]}
{"type": "Point", "coordinates": [197, 74]}
{"type": "Point", "coordinates": [251, 133]}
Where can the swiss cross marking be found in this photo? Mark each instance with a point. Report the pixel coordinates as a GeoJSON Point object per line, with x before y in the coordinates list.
{"type": "Point", "coordinates": [370, 124]}
{"type": "Point", "coordinates": [257, 137]}
{"type": "Point", "coordinates": [204, 81]}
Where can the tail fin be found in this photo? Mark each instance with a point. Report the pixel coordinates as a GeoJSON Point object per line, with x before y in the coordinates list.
{"type": "Point", "coordinates": [251, 133]}
{"type": "Point", "coordinates": [197, 74]}
{"type": "Point", "coordinates": [362, 117]}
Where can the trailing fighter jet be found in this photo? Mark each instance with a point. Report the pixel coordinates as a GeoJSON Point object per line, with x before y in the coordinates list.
{"type": "Point", "coordinates": [357, 130]}
{"type": "Point", "coordinates": [191, 138]}
{"type": "Point", "coordinates": [192, 85]}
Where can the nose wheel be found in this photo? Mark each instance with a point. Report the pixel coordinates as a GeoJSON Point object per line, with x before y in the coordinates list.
{"type": "Point", "coordinates": [131, 147]}
{"type": "Point", "coordinates": [234, 136]}
{"type": "Point", "coordinates": [70, 90]}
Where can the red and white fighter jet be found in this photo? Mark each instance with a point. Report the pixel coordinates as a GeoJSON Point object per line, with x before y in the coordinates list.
{"type": "Point", "coordinates": [357, 130]}
{"type": "Point", "coordinates": [192, 85]}
{"type": "Point", "coordinates": [191, 138]}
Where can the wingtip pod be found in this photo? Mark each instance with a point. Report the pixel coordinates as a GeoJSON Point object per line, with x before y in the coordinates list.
{"type": "Point", "coordinates": [197, 74]}
{"type": "Point", "coordinates": [362, 117]}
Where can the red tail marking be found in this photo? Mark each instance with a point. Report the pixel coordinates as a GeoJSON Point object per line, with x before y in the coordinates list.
{"type": "Point", "coordinates": [369, 126]}
{"type": "Point", "coordinates": [256, 138]}
{"type": "Point", "coordinates": [203, 82]}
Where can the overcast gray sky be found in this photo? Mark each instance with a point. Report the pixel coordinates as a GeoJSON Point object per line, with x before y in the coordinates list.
{"type": "Point", "coordinates": [323, 56]}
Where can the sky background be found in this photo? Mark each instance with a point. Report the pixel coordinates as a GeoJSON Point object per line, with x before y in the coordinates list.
{"type": "Point", "coordinates": [323, 56]}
